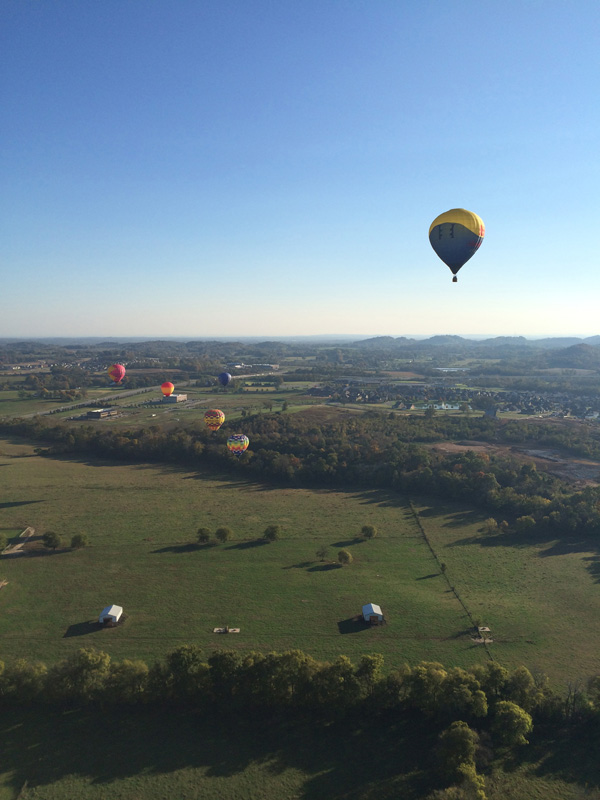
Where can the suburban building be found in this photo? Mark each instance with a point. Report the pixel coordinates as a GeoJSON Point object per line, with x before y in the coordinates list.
{"type": "Point", "coordinates": [100, 413]}
{"type": "Point", "coordinates": [174, 398]}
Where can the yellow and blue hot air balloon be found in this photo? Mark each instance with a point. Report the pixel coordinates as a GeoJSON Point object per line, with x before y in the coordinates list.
{"type": "Point", "coordinates": [455, 236]}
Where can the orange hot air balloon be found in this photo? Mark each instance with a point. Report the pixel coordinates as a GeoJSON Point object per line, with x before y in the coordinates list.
{"type": "Point", "coordinates": [117, 372]}
{"type": "Point", "coordinates": [167, 389]}
{"type": "Point", "coordinates": [214, 418]}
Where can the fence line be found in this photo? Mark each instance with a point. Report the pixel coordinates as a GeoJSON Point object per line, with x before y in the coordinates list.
{"type": "Point", "coordinates": [443, 572]}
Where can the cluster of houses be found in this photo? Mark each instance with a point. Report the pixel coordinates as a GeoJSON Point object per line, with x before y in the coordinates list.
{"type": "Point", "coordinates": [442, 397]}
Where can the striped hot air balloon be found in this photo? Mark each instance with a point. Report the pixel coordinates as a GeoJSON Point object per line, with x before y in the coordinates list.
{"type": "Point", "coordinates": [238, 443]}
{"type": "Point", "coordinates": [214, 418]}
{"type": "Point", "coordinates": [456, 236]}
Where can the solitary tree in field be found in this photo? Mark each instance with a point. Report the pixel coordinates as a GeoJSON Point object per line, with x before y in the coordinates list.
{"type": "Point", "coordinates": [79, 540]}
{"type": "Point", "coordinates": [345, 557]}
{"type": "Point", "coordinates": [322, 553]}
{"type": "Point", "coordinates": [203, 536]}
{"type": "Point", "coordinates": [272, 533]}
{"type": "Point", "coordinates": [51, 540]}
{"type": "Point", "coordinates": [490, 525]}
{"type": "Point", "coordinates": [223, 534]}
{"type": "Point", "coordinates": [368, 531]}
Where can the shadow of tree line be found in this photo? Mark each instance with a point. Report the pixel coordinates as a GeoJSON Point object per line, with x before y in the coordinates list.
{"type": "Point", "coordinates": [350, 760]}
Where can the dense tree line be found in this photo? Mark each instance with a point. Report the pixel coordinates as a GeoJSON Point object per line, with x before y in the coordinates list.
{"type": "Point", "coordinates": [372, 450]}
{"type": "Point", "coordinates": [476, 714]}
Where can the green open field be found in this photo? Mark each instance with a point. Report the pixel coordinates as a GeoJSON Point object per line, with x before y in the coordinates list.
{"type": "Point", "coordinates": [12, 405]}
{"type": "Point", "coordinates": [141, 521]}
{"type": "Point", "coordinates": [540, 602]}
{"type": "Point", "coordinates": [147, 408]}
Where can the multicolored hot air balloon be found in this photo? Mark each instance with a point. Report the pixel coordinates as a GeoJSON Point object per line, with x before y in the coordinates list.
{"type": "Point", "coordinates": [117, 372]}
{"type": "Point", "coordinates": [455, 236]}
{"type": "Point", "coordinates": [224, 378]}
{"type": "Point", "coordinates": [214, 418]}
{"type": "Point", "coordinates": [238, 443]}
{"type": "Point", "coordinates": [167, 388]}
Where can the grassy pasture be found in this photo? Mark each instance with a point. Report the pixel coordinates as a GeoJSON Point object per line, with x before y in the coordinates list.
{"type": "Point", "coordinates": [141, 521]}
{"type": "Point", "coordinates": [139, 411]}
{"type": "Point", "coordinates": [130, 755]}
{"type": "Point", "coordinates": [540, 599]}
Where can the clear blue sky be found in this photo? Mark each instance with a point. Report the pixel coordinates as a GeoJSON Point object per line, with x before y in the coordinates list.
{"type": "Point", "coordinates": [271, 167]}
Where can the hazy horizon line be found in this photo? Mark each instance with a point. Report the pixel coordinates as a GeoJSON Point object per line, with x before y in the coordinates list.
{"type": "Point", "coordinates": [274, 337]}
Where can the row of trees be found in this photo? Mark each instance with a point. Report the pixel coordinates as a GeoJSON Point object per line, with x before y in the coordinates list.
{"type": "Point", "coordinates": [289, 680]}
{"type": "Point", "coordinates": [204, 535]}
{"type": "Point", "coordinates": [474, 713]}
{"type": "Point", "coordinates": [53, 540]}
{"type": "Point", "coordinates": [371, 450]}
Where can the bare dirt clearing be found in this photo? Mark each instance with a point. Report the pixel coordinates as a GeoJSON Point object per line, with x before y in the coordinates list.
{"type": "Point", "coordinates": [569, 468]}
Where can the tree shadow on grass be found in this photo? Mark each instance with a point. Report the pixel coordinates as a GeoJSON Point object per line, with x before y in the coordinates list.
{"type": "Point", "coordinates": [571, 755]}
{"type": "Point", "coordinates": [348, 542]}
{"type": "Point", "coordinates": [188, 547]}
{"type": "Point", "coordinates": [20, 503]}
{"type": "Point", "coordinates": [381, 497]}
{"type": "Point", "coordinates": [546, 542]}
{"type": "Point", "coordinates": [301, 565]}
{"type": "Point", "coordinates": [324, 567]}
{"type": "Point", "coordinates": [349, 758]}
{"type": "Point", "coordinates": [83, 628]}
{"type": "Point", "coordinates": [456, 516]}
{"type": "Point", "coordinates": [426, 577]}
{"type": "Point", "coordinates": [593, 567]}
{"type": "Point", "coordinates": [248, 545]}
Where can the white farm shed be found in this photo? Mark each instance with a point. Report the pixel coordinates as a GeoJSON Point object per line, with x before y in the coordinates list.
{"type": "Point", "coordinates": [110, 614]}
{"type": "Point", "coordinates": [372, 613]}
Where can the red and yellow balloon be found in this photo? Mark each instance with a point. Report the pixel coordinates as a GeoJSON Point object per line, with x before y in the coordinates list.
{"type": "Point", "coordinates": [117, 372]}
{"type": "Point", "coordinates": [167, 388]}
{"type": "Point", "coordinates": [214, 418]}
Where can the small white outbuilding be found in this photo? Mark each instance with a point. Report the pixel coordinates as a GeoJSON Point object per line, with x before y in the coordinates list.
{"type": "Point", "coordinates": [110, 614]}
{"type": "Point", "coordinates": [372, 614]}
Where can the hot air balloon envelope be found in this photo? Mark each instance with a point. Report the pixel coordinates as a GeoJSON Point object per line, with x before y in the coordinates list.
{"type": "Point", "coordinates": [167, 388]}
{"type": "Point", "coordinates": [214, 418]}
{"type": "Point", "coordinates": [238, 443]}
{"type": "Point", "coordinates": [224, 378]}
{"type": "Point", "coordinates": [117, 372]}
{"type": "Point", "coordinates": [456, 236]}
